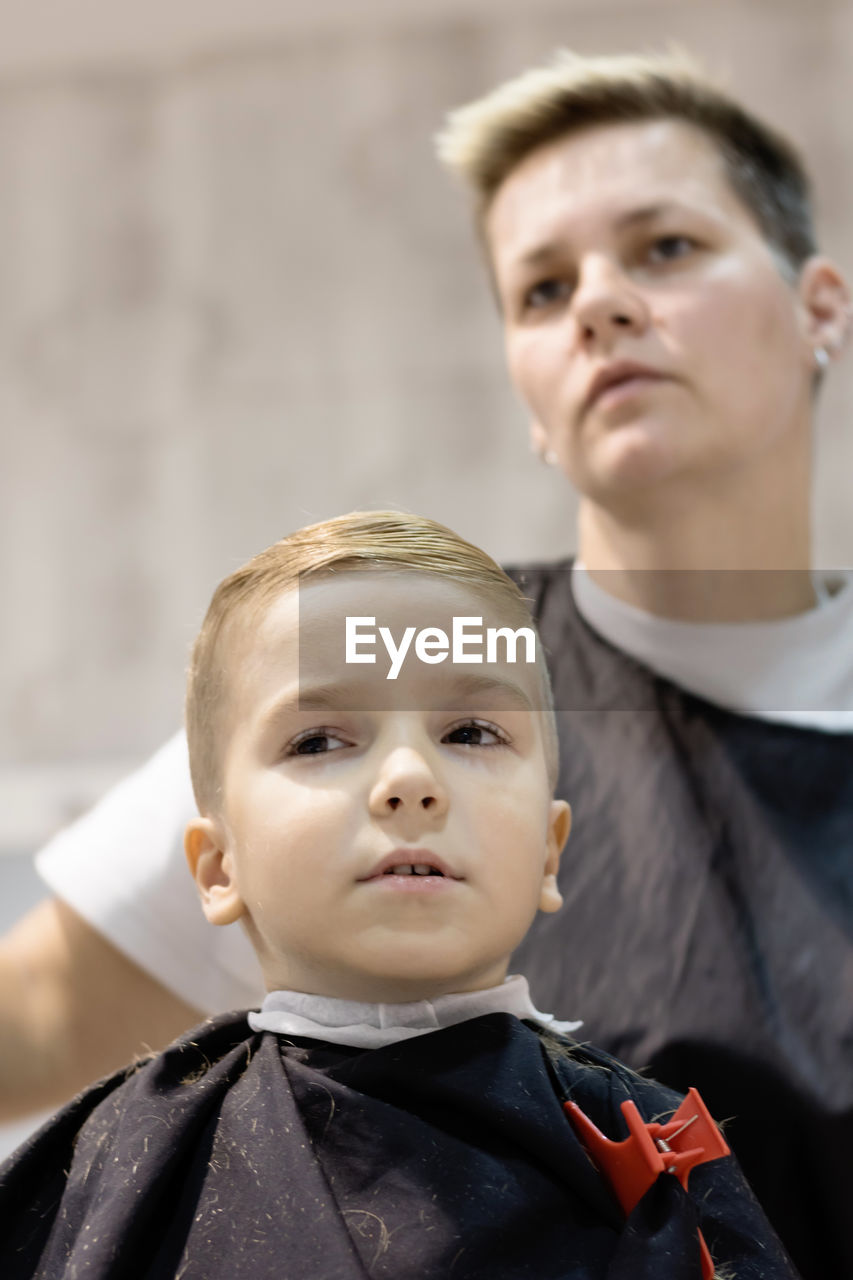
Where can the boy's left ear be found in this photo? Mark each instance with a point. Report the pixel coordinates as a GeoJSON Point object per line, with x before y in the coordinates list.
{"type": "Point", "coordinates": [559, 826]}
{"type": "Point", "coordinates": [825, 300]}
{"type": "Point", "coordinates": [212, 868]}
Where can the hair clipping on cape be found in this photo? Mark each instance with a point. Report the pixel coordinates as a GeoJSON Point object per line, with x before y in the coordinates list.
{"type": "Point", "coordinates": [690, 1138]}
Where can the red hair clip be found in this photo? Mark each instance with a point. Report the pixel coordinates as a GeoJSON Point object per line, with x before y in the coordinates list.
{"type": "Point", "coordinates": [691, 1137]}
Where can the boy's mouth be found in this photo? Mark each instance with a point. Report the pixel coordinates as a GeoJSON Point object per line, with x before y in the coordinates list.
{"type": "Point", "coordinates": [412, 862]}
{"type": "Point", "coordinates": [413, 869]}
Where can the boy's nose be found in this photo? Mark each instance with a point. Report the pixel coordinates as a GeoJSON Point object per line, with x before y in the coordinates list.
{"type": "Point", "coordinates": [407, 785]}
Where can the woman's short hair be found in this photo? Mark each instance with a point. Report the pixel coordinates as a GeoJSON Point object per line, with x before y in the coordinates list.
{"type": "Point", "coordinates": [486, 139]}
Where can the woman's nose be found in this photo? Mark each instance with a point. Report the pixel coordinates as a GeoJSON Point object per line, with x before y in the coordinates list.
{"type": "Point", "coordinates": [607, 302]}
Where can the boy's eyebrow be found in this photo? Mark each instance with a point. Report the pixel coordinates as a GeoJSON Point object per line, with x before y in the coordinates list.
{"type": "Point", "coordinates": [301, 698]}
{"type": "Point", "coordinates": [470, 684]}
{"type": "Point", "coordinates": [322, 697]}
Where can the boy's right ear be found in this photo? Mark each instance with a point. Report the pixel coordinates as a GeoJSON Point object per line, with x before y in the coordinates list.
{"type": "Point", "coordinates": [212, 868]}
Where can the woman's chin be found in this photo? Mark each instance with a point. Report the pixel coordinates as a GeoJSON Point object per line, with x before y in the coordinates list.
{"type": "Point", "coordinates": [630, 461]}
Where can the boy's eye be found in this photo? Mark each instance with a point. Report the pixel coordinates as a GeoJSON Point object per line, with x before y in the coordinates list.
{"type": "Point", "coordinates": [475, 733]}
{"type": "Point", "coordinates": [316, 742]}
{"type": "Point", "coordinates": [669, 248]}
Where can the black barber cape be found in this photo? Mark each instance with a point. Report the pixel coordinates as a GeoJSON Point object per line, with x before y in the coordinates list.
{"type": "Point", "coordinates": [241, 1156]}
{"type": "Point", "coordinates": [707, 931]}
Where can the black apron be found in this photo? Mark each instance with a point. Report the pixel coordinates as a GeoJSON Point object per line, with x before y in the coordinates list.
{"type": "Point", "coordinates": [707, 931]}
{"type": "Point", "coordinates": [240, 1156]}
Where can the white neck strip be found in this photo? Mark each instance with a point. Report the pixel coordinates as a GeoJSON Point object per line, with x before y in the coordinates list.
{"type": "Point", "coordinates": [371, 1026]}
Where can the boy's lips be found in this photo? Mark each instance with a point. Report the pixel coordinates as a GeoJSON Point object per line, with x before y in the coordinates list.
{"type": "Point", "coordinates": [417, 863]}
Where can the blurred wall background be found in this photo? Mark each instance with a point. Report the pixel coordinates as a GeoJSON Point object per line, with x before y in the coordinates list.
{"type": "Point", "coordinates": [237, 294]}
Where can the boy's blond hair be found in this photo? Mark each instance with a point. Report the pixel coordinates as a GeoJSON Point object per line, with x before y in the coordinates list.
{"type": "Point", "coordinates": [485, 140]}
{"type": "Point", "coordinates": [361, 541]}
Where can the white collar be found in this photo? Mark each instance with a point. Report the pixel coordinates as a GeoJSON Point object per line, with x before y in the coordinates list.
{"type": "Point", "coordinates": [796, 670]}
{"type": "Point", "coordinates": [370, 1026]}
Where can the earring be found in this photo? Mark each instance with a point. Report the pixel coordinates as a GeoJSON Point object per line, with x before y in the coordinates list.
{"type": "Point", "coordinates": [821, 358]}
{"type": "Point", "coordinates": [550, 458]}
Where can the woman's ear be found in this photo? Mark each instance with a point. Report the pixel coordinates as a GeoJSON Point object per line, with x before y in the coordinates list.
{"type": "Point", "coordinates": [825, 301]}
{"type": "Point", "coordinates": [538, 439]}
{"type": "Point", "coordinates": [212, 868]}
{"type": "Point", "coordinates": [559, 826]}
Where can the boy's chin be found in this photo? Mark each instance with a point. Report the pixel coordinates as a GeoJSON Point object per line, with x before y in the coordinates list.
{"type": "Point", "coordinates": [398, 968]}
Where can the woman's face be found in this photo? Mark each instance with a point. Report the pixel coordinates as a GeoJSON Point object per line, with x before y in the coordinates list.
{"type": "Point", "coordinates": [648, 325]}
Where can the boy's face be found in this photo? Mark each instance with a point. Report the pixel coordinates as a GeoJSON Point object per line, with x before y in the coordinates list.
{"type": "Point", "coordinates": [333, 776]}
{"type": "Point", "coordinates": [648, 326]}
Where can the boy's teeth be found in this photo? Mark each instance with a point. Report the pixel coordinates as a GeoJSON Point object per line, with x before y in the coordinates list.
{"type": "Point", "coordinates": [411, 869]}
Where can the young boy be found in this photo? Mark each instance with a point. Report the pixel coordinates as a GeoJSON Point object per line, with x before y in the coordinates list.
{"type": "Point", "coordinates": [373, 754]}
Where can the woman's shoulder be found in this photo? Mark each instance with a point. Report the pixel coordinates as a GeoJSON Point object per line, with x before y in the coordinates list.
{"type": "Point", "coordinates": [213, 1052]}
{"type": "Point", "coordinates": [540, 573]}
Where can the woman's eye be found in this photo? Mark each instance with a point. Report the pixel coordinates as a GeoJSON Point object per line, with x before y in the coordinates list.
{"type": "Point", "coordinates": [475, 734]}
{"type": "Point", "coordinates": [316, 742]}
{"type": "Point", "coordinates": [669, 248]}
{"type": "Point", "coordinates": [545, 293]}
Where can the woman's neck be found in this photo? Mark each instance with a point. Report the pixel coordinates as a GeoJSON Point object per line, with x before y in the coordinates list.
{"type": "Point", "coordinates": [702, 556]}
